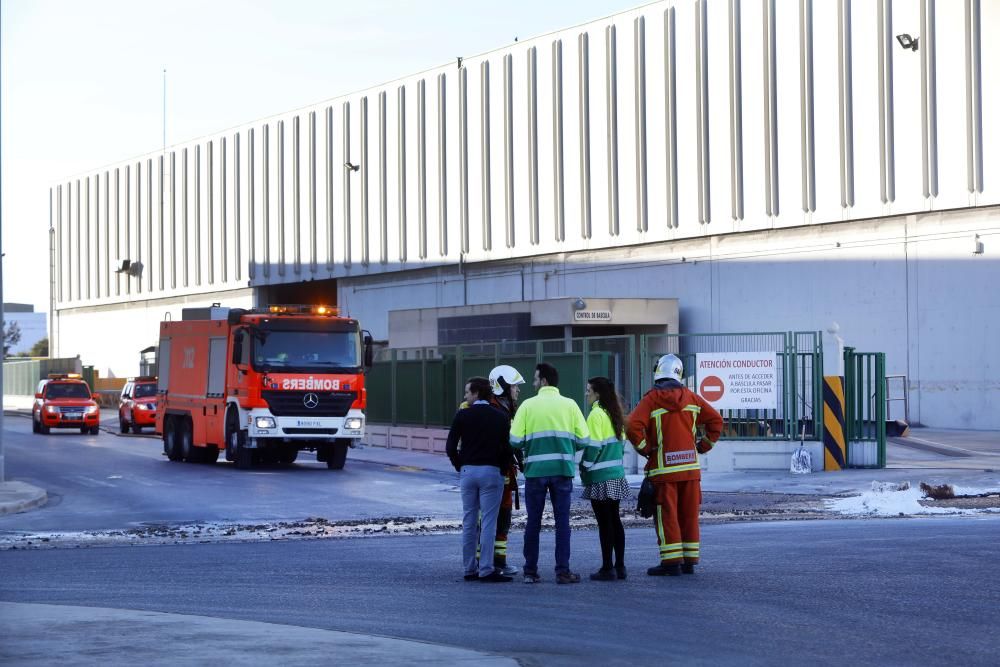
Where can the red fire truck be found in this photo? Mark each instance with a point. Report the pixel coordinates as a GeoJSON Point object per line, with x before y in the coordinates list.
{"type": "Point", "coordinates": [261, 385]}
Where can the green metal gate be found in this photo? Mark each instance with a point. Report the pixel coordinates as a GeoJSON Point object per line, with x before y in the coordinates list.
{"type": "Point", "coordinates": [800, 379]}
{"type": "Point", "coordinates": [864, 399]}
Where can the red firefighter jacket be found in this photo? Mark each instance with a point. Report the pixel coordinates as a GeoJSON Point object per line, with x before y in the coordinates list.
{"type": "Point", "coordinates": [663, 428]}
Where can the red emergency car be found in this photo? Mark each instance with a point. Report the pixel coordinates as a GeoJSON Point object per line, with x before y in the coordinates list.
{"type": "Point", "coordinates": [65, 401]}
{"type": "Point", "coordinates": [137, 404]}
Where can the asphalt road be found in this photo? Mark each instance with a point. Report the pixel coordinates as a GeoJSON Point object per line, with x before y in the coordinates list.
{"type": "Point", "coordinates": [107, 481]}
{"type": "Point", "coordinates": [880, 592]}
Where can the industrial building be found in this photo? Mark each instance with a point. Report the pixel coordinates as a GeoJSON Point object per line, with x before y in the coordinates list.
{"type": "Point", "coordinates": [688, 166]}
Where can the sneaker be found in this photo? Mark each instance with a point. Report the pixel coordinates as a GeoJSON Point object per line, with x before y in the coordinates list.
{"type": "Point", "coordinates": [495, 577]}
{"type": "Point", "coordinates": [672, 570]}
{"type": "Point", "coordinates": [567, 577]}
{"type": "Point", "coordinates": [531, 578]}
{"type": "Point", "coordinates": [472, 577]}
{"type": "Point", "coordinates": [604, 575]}
{"type": "Point", "coordinates": [622, 572]}
{"type": "Point", "coordinates": [687, 568]}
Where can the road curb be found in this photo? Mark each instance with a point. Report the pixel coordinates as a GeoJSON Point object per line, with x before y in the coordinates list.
{"type": "Point", "coordinates": [20, 497]}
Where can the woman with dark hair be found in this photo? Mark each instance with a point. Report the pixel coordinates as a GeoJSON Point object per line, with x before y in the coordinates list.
{"type": "Point", "coordinates": [603, 474]}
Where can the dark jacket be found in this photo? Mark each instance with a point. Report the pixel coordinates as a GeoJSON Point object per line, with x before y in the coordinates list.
{"type": "Point", "coordinates": [484, 434]}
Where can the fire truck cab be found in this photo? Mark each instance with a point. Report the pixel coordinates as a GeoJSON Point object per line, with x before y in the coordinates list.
{"type": "Point", "coordinates": [262, 385]}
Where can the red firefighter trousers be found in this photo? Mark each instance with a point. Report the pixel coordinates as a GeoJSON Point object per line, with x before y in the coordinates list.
{"type": "Point", "coordinates": [676, 520]}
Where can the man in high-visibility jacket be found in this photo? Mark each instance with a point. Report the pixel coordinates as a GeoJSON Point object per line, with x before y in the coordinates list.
{"type": "Point", "coordinates": [663, 428]}
{"type": "Point", "coordinates": [550, 429]}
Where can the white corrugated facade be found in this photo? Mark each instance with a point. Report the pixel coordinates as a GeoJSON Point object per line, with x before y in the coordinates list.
{"type": "Point", "coordinates": [772, 164]}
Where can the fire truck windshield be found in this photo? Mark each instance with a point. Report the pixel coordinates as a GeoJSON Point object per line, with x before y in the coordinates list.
{"type": "Point", "coordinates": [307, 351]}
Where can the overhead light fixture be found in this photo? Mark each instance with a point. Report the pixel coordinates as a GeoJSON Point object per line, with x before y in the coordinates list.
{"type": "Point", "coordinates": [908, 42]}
{"type": "Point", "coordinates": [579, 304]}
{"type": "Point", "coordinates": [978, 248]}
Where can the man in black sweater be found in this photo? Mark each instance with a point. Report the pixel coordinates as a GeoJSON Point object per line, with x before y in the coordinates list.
{"type": "Point", "coordinates": [479, 447]}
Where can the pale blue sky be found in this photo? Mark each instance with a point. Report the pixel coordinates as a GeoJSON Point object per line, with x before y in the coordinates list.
{"type": "Point", "coordinates": [82, 81]}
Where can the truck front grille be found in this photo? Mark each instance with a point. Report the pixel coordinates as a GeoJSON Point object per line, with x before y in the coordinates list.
{"type": "Point", "coordinates": [293, 403]}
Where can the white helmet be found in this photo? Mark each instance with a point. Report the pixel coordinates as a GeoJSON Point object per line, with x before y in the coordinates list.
{"type": "Point", "coordinates": [669, 366]}
{"type": "Point", "coordinates": [509, 375]}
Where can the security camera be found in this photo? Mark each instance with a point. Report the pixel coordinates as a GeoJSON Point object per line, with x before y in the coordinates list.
{"type": "Point", "coordinates": [352, 167]}
{"type": "Point", "coordinates": [579, 304]}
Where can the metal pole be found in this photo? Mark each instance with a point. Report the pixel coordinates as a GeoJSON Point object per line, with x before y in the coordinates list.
{"type": "Point", "coordinates": [164, 110]}
{"type": "Point", "coordinates": [4, 328]}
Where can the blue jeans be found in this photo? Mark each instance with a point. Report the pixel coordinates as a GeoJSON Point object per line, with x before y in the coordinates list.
{"type": "Point", "coordinates": [560, 491]}
{"type": "Point", "coordinates": [482, 487]}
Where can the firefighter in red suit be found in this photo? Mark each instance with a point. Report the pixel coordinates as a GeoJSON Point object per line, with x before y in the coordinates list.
{"type": "Point", "coordinates": [504, 381]}
{"type": "Point", "coordinates": [663, 429]}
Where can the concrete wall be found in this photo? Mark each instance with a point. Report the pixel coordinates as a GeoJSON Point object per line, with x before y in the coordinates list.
{"type": "Point", "coordinates": [726, 456]}
{"type": "Point", "coordinates": [909, 286]}
{"type": "Point", "coordinates": [110, 337]}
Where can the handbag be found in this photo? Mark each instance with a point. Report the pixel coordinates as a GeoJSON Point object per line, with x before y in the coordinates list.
{"type": "Point", "coordinates": [647, 499]}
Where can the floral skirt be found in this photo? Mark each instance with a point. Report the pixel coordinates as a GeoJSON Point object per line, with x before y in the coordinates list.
{"type": "Point", "coordinates": [612, 489]}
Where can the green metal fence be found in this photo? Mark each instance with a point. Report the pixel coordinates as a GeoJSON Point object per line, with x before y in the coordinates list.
{"type": "Point", "coordinates": [864, 398]}
{"type": "Point", "coordinates": [799, 358]}
{"type": "Point", "coordinates": [424, 386]}
{"type": "Point", "coordinates": [21, 376]}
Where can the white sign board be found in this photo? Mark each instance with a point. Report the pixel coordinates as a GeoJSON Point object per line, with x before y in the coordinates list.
{"type": "Point", "coordinates": [738, 380]}
{"type": "Point", "coordinates": [592, 316]}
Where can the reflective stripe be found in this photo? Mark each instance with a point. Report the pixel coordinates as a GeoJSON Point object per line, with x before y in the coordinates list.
{"type": "Point", "coordinates": [606, 464]}
{"type": "Point", "coordinates": [516, 438]}
{"type": "Point", "coordinates": [641, 446]}
{"type": "Point", "coordinates": [692, 408]}
{"type": "Point", "coordinates": [549, 457]}
{"type": "Point", "coordinates": [605, 441]}
{"type": "Point", "coordinates": [554, 434]}
{"type": "Point", "coordinates": [659, 524]}
{"type": "Point", "coordinates": [670, 470]}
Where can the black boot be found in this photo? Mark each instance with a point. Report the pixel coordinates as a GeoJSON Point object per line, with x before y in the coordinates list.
{"type": "Point", "coordinates": [669, 570]}
{"type": "Point", "coordinates": [687, 568]}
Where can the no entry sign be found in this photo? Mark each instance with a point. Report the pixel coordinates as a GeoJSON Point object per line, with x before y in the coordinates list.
{"type": "Point", "coordinates": [712, 388]}
{"type": "Point", "coordinates": [738, 380]}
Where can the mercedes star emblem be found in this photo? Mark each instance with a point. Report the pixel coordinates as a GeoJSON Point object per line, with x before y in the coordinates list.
{"type": "Point", "coordinates": [310, 400]}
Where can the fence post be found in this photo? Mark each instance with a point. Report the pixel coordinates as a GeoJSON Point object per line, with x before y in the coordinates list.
{"type": "Point", "coordinates": [880, 406]}
{"type": "Point", "coordinates": [459, 384]}
{"type": "Point", "coordinates": [850, 401]}
{"type": "Point", "coordinates": [423, 394]}
{"type": "Point", "coordinates": [634, 372]}
{"type": "Point", "coordinates": [585, 367]}
{"type": "Point", "coordinates": [818, 366]}
{"type": "Point", "coordinates": [392, 387]}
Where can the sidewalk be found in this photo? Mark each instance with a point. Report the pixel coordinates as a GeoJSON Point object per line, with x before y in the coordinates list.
{"type": "Point", "coordinates": [29, 631]}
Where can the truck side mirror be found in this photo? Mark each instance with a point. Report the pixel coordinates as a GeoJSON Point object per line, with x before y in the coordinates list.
{"type": "Point", "coordinates": [238, 348]}
{"type": "Point", "coordinates": [38, 395]}
{"type": "Point", "coordinates": [369, 351]}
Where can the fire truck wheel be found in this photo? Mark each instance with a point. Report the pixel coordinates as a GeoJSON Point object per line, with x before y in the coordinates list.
{"type": "Point", "coordinates": [235, 438]}
{"type": "Point", "coordinates": [34, 425]}
{"type": "Point", "coordinates": [337, 455]}
{"type": "Point", "coordinates": [244, 458]}
{"type": "Point", "coordinates": [185, 436]}
{"type": "Point", "coordinates": [171, 444]}
{"type": "Point", "coordinates": [122, 424]}
{"type": "Point", "coordinates": [288, 455]}
{"type": "Point", "coordinates": [210, 455]}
